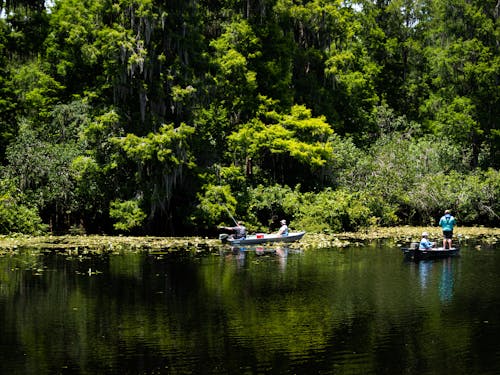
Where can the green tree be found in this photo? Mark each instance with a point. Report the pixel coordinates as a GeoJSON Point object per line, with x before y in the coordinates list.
{"type": "Point", "coordinates": [15, 215]}
{"type": "Point", "coordinates": [150, 168]}
{"type": "Point", "coordinates": [40, 160]}
{"type": "Point", "coordinates": [285, 148]}
{"type": "Point", "coordinates": [36, 90]}
{"type": "Point", "coordinates": [128, 215]}
{"type": "Point", "coordinates": [8, 102]}
{"type": "Point", "coordinates": [464, 67]}
{"type": "Point", "coordinates": [332, 73]}
{"type": "Point", "coordinates": [235, 81]}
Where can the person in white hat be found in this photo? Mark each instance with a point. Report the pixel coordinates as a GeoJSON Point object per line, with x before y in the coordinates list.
{"type": "Point", "coordinates": [425, 244]}
{"type": "Point", "coordinates": [283, 231]}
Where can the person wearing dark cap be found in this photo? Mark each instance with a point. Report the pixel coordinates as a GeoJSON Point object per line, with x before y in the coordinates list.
{"type": "Point", "coordinates": [447, 223]}
{"type": "Point", "coordinates": [283, 231]}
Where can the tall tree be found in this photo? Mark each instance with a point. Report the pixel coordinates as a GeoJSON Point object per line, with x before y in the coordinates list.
{"type": "Point", "coordinates": [464, 73]}
{"type": "Point", "coordinates": [8, 102]}
{"type": "Point", "coordinates": [285, 148]}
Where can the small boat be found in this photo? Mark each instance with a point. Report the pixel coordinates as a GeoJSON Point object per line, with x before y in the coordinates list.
{"type": "Point", "coordinates": [413, 252]}
{"type": "Point", "coordinates": [261, 238]}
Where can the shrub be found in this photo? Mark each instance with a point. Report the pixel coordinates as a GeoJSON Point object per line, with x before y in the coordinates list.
{"type": "Point", "coordinates": [334, 211]}
{"type": "Point", "coordinates": [128, 215]}
{"type": "Point", "coordinates": [16, 217]}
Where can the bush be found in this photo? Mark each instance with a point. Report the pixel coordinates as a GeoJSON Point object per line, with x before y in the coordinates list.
{"type": "Point", "coordinates": [333, 211]}
{"type": "Point", "coordinates": [217, 205]}
{"type": "Point", "coordinates": [16, 217]}
{"type": "Point", "coordinates": [269, 201]}
{"type": "Point", "coordinates": [128, 215]}
{"type": "Point", "coordinates": [473, 197]}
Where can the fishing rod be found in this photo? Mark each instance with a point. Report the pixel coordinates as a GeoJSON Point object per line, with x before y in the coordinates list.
{"type": "Point", "coordinates": [227, 209]}
{"type": "Point", "coordinates": [218, 194]}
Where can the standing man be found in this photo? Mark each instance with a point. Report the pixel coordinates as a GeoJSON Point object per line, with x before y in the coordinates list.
{"type": "Point", "coordinates": [447, 222]}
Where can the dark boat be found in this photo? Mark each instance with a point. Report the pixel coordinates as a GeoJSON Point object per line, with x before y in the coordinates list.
{"type": "Point", "coordinates": [261, 238]}
{"type": "Point", "coordinates": [414, 253]}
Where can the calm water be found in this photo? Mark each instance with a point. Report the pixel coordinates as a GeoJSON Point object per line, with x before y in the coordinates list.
{"type": "Point", "coordinates": [359, 310]}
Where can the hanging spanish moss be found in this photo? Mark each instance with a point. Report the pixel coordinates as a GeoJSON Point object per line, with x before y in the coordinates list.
{"type": "Point", "coordinates": [13, 5]}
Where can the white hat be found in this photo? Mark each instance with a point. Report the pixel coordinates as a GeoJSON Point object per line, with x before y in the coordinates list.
{"type": "Point", "coordinates": [283, 221]}
{"type": "Point", "coordinates": [425, 234]}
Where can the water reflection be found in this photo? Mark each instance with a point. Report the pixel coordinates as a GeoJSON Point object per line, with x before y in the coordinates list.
{"type": "Point", "coordinates": [440, 271]}
{"type": "Point", "coordinates": [255, 311]}
{"type": "Point", "coordinates": [282, 254]}
{"type": "Point", "coordinates": [447, 280]}
{"type": "Point", "coordinates": [424, 271]}
{"type": "Point", "coordinates": [238, 254]}
{"type": "Point", "coordinates": [241, 254]}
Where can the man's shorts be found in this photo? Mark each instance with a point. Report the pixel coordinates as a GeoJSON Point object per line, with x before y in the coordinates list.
{"type": "Point", "coordinates": [448, 234]}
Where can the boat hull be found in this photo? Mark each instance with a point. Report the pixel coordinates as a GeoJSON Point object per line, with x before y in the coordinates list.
{"type": "Point", "coordinates": [258, 239]}
{"type": "Point", "coordinates": [436, 253]}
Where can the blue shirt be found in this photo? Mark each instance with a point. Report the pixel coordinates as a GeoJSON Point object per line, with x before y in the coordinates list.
{"type": "Point", "coordinates": [447, 222]}
{"type": "Point", "coordinates": [425, 244]}
{"type": "Point", "coordinates": [283, 230]}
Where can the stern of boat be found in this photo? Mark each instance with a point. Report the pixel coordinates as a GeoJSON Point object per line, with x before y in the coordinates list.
{"type": "Point", "coordinates": [223, 237]}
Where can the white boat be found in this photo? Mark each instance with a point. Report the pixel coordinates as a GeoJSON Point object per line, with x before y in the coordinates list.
{"type": "Point", "coordinates": [261, 238]}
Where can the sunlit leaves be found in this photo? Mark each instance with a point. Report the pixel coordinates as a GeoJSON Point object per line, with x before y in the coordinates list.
{"type": "Point", "coordinates": [235, 81]}
{"type": "Point", "coordinates": [15, 215]}
{"type": "Point", "coordinates": [155, 162]}
{"type": "Point", "coordinates": [217, 204]}
{"type": "Point", "coordinates": [128, 215]}
{"type": "Point", "coordinates": [464, 70]}
{"type": "Point", "coordinates": [36, 89]}
{"type": "Point", "coordinates": [264, 84]}
{"type": "Point", "coordinates": [168, 147]}
{"type": "Point", "coordinates": [297, 136]}
{"type": "Point", "coordinates": [333, 211]}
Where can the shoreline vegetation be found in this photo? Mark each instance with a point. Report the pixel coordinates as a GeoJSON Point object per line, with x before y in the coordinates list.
{"type": "Point", "coordinates": [97, 243]}
{"type": "Point", "coordinates": [169, 117]}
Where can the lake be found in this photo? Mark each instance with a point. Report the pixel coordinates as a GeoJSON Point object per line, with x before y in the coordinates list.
{"type": "Point", "coordinates": [354, 310]}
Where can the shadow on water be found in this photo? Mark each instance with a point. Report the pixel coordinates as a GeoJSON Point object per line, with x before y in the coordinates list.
{"type": "Point", "coordinates": [252, 310]}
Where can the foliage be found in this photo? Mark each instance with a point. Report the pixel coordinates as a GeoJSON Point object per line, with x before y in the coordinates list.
{"type": "Point", "coordinates": [379, 112]}
{"type": "Point", "coordinates": [37, 91]}
{"type": "Point", "coordinates": [15, 216]}
{"type": "Point", "coordinates": [339, 210]}
{"type": "Point", "coordinates": [155, 164]}
{"type": "Point", "coordinates": [278, 201]}
{"type": "Point", "coordinates": [283, 140]}
{"type": "Point", "coordinates": [128, 215]}
{"type": "Point", "coordinates": [41, 160]}
{"type": "Point", "coordinates": [8, 102]}
{"type": "Point", "coordinates": [217, 204]}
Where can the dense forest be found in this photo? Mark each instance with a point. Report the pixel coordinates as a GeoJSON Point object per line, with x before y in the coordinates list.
{"type": "Point", "coordinates": [151, 117]}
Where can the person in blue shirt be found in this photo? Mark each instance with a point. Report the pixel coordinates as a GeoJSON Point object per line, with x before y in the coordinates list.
{"type": "Point", "coordinates": [425, 244]}
{"type": "Point", "coordinates": [447, 222]}
{"type": "Point", "coordinates": [283, 231]}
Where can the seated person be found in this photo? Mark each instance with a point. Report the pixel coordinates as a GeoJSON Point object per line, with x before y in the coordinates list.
{"type": "Point", "coordinates": [283, 231]}
{"type": "Point", "coordinates": [239, 230]}
{"type": "Point", "coordinates": [425, 244]}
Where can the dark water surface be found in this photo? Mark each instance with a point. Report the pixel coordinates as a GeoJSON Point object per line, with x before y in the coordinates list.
{"type": "Point", "coordinates": [359, 310]}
